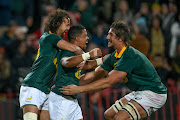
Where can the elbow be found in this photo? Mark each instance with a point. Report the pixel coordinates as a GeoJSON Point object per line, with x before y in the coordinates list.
{"type": "Point", "coordinates": [68, 65]}
{"type": "Point", "coordinates": [65, 63]}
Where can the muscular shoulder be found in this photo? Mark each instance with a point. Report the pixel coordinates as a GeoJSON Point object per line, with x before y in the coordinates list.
{"type": "Point", "coordinates": [50, 36]}
{"type": "Point", "coordinates": [133, 53]}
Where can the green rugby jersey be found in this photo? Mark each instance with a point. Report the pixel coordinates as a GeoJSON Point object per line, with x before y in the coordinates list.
{"type": "Point", "coordinates": [141, 74]}
{"type": "Point", "coordinates": [44, 67]}
{"type": "Point", "coordinates": [65, 76]}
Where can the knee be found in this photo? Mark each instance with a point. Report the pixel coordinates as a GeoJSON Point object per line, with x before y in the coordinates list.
{"type": "Point", "coordinates": [107, 115]}
{"type": "Point", "coordinates": [117, 117]}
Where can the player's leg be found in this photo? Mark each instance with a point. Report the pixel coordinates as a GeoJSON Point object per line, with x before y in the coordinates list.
{"type": "Point", "coordinates": [111, 112]}
{"type": "Point", "coordinates": [30, 100]}
{"type": "Point", "coordinates": [44, 115]}
{"type": "Point", "coordinates": [131, 111]}
{"type": "Point", "coordinates": [63, 108]}
{"type": "Point", "coordinates": [54, 101]}
{"type": "Point", "coordinates": [30, 112]}
{"type": "Point", "coordinates": [141, 104]}
{"type": "Point", "coordinates": [44, 112]}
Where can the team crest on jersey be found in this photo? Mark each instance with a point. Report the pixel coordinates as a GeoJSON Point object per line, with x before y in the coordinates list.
{"type": "Point", "coordinates": [28, 99]}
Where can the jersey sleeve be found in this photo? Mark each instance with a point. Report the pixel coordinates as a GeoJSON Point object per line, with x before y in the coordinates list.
{"type": "Point", "coordinates": [53, 39]}
{"type": "Point", "coordinates": [106, 64]}
{"type": "Point", "coordinates": [126, 64]}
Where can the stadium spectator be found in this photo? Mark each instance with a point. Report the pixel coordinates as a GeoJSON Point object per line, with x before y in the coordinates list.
{"type": "Point", "coordinates": [123, 13]}
{"type": "Point", "coordinates": [157, 38]}
{"type": "Point", "coordinates": [140, 42]}
{"type": "Point", "coordinates": [4, 73]}
{"type": "Point", "coordinates": [175, 31]}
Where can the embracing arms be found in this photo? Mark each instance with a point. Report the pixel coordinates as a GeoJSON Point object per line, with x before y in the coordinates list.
{"type": "Point", "coordinates": [113, 77]}
{"type": "Point", "coordinates": [64, 45]}
{"type": "Point", "coordinates": [75, 60]}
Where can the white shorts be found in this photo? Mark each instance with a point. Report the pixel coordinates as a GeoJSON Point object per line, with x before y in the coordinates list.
{"type": "Point", "coordinates": [61, 108]}
{"type": "Point", "coordinates": [148, 100]}
{"type": "Point", "coordinates": [33, 96]}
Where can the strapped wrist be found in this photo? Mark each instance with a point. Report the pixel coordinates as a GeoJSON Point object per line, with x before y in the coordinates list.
{"type": "Point", "coordinates": [99, 61]}
{"type": "Point", "coordinates": [86, 56]}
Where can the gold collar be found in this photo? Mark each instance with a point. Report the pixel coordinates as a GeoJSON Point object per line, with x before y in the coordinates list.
{"type": "Point", "coordinates": [121, 52]}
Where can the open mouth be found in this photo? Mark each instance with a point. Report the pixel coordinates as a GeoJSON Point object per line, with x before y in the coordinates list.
{"type": "Point", "coordinates": [109, 41]}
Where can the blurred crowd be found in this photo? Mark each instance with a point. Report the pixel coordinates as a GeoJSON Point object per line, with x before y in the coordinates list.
{"type": "Point", "coordinates": [155, 31]}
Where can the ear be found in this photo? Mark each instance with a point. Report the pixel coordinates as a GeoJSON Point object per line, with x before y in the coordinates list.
{"type": "Point", "coordinates": [121, 39]}
{"type": "Point", "coordinates": [77, 39]}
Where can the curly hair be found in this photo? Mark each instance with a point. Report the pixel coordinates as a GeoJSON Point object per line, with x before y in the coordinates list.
{"type": "Point", "coordinates": [55, 20]}
{"type": "Point", "coordinates": [121, 30]}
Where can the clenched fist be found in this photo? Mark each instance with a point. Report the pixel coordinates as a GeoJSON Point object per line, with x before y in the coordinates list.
{"type": "Point", "coordinates": [94, 53]}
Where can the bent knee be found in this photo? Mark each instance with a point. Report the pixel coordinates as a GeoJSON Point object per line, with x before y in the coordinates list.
{"type": "Point", "coordinates": [108, 115]}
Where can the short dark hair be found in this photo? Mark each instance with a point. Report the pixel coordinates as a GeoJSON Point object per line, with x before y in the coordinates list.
{"type": "Point", "coordinates": [75, 31]}
{"type": "Point", "coordinates": [55, 20]}
{"type": "Point", "coordinates": [121, 30]}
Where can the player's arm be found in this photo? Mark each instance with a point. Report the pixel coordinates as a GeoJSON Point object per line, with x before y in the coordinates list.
{"type": "Point", "coordinates": [75, 60]}
{"type": "Point", "coordinates": [89, 77]}
{"type": "Point", "coordinates": [64, 45]}
{"type": "Point", "coordinates": [113, 78]}
{"type": "Point", "coordinates": [89, 64]}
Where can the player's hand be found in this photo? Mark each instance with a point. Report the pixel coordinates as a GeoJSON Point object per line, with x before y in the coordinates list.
{"type": "Point", "coordinates": [69, 90]}
{"type": "Point", "coordinates": [96, 52]}
{"type": "Point", "coordinates": [81, 65]}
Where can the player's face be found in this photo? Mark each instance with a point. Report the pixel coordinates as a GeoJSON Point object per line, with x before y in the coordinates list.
{"type": "Point", "coordinates": [65, 26]}
{"type": "Point", "coordinates": [83, 39]}
{"type": "Point", "coordinates": [111, 37]}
